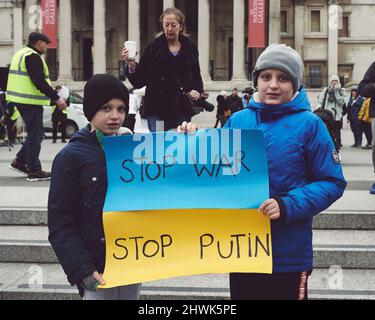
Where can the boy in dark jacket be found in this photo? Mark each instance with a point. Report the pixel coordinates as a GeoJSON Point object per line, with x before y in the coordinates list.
{"type": "Point", "coordinates": [78, 190]}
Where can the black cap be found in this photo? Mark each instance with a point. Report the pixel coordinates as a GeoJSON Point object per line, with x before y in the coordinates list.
{"type": "Point", "coordinates": [100, 89]}
{"type": "Point", "coordinates": [34, 37]}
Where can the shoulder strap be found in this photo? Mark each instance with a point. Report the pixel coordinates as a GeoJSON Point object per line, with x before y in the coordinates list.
{"type": "Point", "coordinates": [177, 81]}
{"type": "Point", "coordinates": [325, 98]}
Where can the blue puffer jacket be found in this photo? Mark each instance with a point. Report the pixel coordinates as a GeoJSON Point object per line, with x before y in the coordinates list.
{"type": "Point", "coordinates": [305, 174]}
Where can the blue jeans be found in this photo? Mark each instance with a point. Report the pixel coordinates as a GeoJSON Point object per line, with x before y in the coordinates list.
{"type": "Point", "coordinates": [29, 153]}
{"type": "Point", "coordinates": [155, 123]}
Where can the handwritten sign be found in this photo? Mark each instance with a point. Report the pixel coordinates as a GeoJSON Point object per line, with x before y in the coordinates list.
{"type": "Point", "coordinates": [149, 245]}
{"type": "Point", "coordinates": [184, 204]}
{"type": "Point", "coordinates": [223, 169]}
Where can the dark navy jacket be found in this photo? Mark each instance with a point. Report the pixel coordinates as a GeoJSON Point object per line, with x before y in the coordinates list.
{"type": "Point", "coordinates": [305, 174]}
{"type": "Point", "coordinates": [75, 206]}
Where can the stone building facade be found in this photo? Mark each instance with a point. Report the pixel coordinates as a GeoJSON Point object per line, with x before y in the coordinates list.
{"type": "Point", "coordinates": [333, 37]}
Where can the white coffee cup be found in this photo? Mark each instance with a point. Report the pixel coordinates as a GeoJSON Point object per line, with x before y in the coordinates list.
{"type": "Point", "coordinates": [131, 46]}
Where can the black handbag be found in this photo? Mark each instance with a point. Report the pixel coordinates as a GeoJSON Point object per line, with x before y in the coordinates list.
{"type": "Point", "coordinates": [191, 106]}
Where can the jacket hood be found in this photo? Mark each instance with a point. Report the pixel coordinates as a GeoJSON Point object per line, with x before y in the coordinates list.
{"type": "Point", "coordinates": [299, 103]}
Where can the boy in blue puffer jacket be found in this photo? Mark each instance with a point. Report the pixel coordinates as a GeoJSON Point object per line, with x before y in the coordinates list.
{"type": "Point", "coordinates": [305, 173]}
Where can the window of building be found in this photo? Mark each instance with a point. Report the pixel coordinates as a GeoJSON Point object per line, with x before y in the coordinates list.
{"type": "Point", "coordinates": [315, 77]}
{"type": "Point", "coordinates": [284, 21]}
{"type": "Point", "coordinates": [315, 21]}
{"type": "Point", "coordinates": [90, 13]}
{"type": "Point", "coordinates": [345, 73]}
{"type": "Point", "coordinates": [344, 30]}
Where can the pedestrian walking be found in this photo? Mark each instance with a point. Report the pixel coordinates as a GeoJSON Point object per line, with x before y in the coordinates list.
{"type": "Point", "coordinates": [333, 98]}
{"type": "Point", "coordinates": [59, 118]}
{"type": "Point", "coordinates": [305, 174]}
{"type": "Point", "coordinates": [365, 123]}
{"type": "Point", "coordinates": [246, 97]}
{"type": "Point", "coordinates": [29, 88]}
{"type": "Point", "coordinates": [366, 88]}
{"type": "Point", "coordinates": [78, 190]}
{"type": "Point", "coordinates": [234, 101]}
{"type": "Point", "coordinates": [169, 67]}
{"type": "Point", "coordinates": [222, 107]}
{"type": "Point", "coordinates": [354, 105]}
{"type": "Point", "coordinates": [11, 116]}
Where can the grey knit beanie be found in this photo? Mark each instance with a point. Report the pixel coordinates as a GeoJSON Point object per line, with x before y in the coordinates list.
{"type": "Point", "coordinates": [284, 58]}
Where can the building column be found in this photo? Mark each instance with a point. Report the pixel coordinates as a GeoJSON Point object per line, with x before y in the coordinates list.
{"type": "Point", "coordinates": [17, 27]}
{"type": "Point", "coordinates": [299, 11]}
{"type": "Point", "coordinates": [65, 41]}
{"type": "Point", "coordinates": [168, 4]}
{"type": "Point", "coordinates": [333, 33]}
{"type": "Point", "coordinates": [274, 22]}
{"type": "Point", "coordinates": [134, 22]}
{"type": "Point", "coordinates": [204, 38]}
{"type": "Point", "coordinates": [238, 40]}
{"type": "Point", "coordinates": [100, 65]}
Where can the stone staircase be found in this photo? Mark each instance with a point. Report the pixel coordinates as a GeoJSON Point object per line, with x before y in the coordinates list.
{"type": "Point", "coordinates": [344, 261]}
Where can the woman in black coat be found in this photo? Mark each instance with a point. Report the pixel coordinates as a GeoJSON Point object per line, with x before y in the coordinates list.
{"type": "Point", "coordinates": [169, 63]}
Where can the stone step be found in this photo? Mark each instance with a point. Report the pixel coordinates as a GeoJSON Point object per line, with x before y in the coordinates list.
{"type": "Point", "coordinates": [48, 281]}
{"type": "Point", "coordinates": [349, 249]}
{"type": "Point", "coordinates": [330, 219]}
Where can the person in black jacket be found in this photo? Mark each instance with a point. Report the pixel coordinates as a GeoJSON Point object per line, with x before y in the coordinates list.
{"type": "Point", "coordinates": [59, 117]}
{"type": "Point", "coordinates": [367, 89]}
{"type": "Point", "coordinates": [78, 190]}
{"type": "Point", "coordinates": [235, 101]}
{"type": "Point", "coordinates": [169, 63]}
{"type": "Point", "coordinates": [222, 107]}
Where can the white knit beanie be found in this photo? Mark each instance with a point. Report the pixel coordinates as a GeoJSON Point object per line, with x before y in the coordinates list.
{"type": "Point", "coordinates": [281, 57]}
{"type": "Point", "coordinates": [334, 78]}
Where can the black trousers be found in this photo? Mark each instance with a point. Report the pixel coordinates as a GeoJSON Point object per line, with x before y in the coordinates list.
{"type": "Point", "coordinates": [59, 117]}
{"type": "Point", "coordinates": [366, 128]}
{"type": "Point", "coordinates": [337, 133]}
{"type": "Point", "coordinates": [277, 286]}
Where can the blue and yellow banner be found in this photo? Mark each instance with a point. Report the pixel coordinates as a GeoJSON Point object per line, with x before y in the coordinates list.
{"type": "Point", "coordinates": [181, 204]}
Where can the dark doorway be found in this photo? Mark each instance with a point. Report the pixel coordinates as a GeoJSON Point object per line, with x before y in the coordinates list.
{"type": "Point", "coordinates": [4, 71]}
{"type": "Point", "coordinates": [88, 65]}
{"type": "Point", "coordinates": [230, 58]}
{"type": "Point", "coordinates": [51, 60]}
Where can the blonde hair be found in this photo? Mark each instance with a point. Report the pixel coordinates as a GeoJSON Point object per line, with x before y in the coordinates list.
{"type": "Point", "coordinates": [179, 16]}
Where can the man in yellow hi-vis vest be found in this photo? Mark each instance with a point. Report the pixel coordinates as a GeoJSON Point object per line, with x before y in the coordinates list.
{"type": "Point", "coordinates": [29, 87]}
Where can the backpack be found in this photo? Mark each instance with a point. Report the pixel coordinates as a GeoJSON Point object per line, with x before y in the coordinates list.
{"type": "Point", "coordinates": [364, 112]}
{"type": "Point", "coordinates": [329, 121]}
